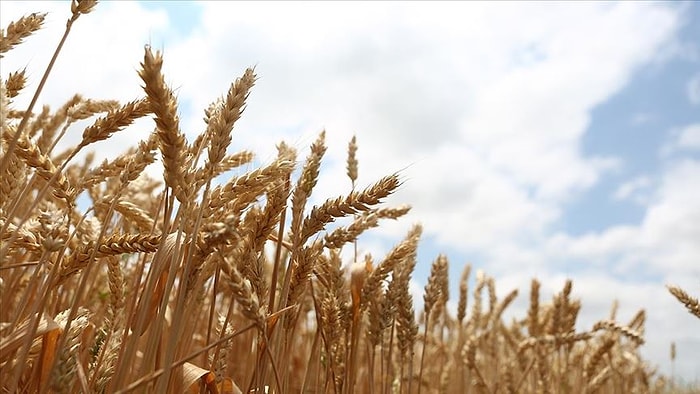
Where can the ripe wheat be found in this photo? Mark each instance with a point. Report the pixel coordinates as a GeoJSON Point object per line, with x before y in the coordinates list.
{"type": "Point", "coordinates": [243, 287]}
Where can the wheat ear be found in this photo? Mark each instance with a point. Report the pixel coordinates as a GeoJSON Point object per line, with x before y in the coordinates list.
{"type": "Point", "coordinates": [172, 141]}
{"type": "Point", "coordinates": [691, 303]}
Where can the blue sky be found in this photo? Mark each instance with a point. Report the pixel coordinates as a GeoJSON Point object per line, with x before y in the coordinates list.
{"type": "Point", "coordinates": [546, 140]}
{"type": "Point", "coordinates": [646, 111]}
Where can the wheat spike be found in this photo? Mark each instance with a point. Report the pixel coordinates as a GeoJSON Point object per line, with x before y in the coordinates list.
{"type": "Point", "coordinates": [304, 187]}
{"type": "Point", "coordinates": [691, 303]}
{"type": "Point", "coordinates": [114, 121]}
{"type": "Point", "coordinates": [352, 160]}
{"type": "Point", "coordinates": [220, 124]}
{"type": "Point", "coordinates": [19, 30]}
{"type": "Point", "coordinates": [172, 142]}
{"type": "Point", "coordinates": [343, 206]}
{"type": "Point", "coordinates": [395, 256]}
{"type": "Point", "coordinates": [15, 83]}
{"type": "Point", "coordinates": [463, 293]}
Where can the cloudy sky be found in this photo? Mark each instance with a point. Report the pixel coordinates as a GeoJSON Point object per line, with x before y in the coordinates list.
{"type": "Point", "coordinates": [544, 140]}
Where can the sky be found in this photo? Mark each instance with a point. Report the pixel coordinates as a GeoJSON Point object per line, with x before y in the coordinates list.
{"type": "Point", "coordinates": [536, 140]}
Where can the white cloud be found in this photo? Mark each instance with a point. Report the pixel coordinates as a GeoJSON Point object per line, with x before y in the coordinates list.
{"type": "Point", "coordinates": [642, 118]}
{"type": "Point", "coordinates": [686, 138]}
{"type": "Point", "coordinates": [633, 190]}
{"type": "Point", "coordinates": [413, 90]}
{"type": "Point", "coordinates": [673, 222]}
{"type": "Point", "coordinates": [693, 89]}
{"type": "Point", "coordinates": [665, 242]}
{"type": "Point", "coordinates": [690, 137]}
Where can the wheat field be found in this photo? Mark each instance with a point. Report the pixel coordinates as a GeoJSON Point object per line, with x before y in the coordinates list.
{"type": "Point", "coordinates": [186, 284]}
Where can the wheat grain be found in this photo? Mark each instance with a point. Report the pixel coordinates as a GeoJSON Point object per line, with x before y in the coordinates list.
{"type": "Point", "coordinates": [226, 164]}
{"type": "Point", "coordinates": [220, 123]}
{"type": "Point", "coordinates": [111, 246]}
{"type": "Point", "coordinates": [63, 374]}
{"type": "Point", "coordinates": [15, 83]}
{"type": "Point", "coordinates": [616, 327]}
{"type": "Point", "coordinates": [243, 293]}
{"type": "Point", "coordinates": [304, 187]}
{"type": "Point", "coordinates": [87, 108]}
{"type": "Point", "coordinates": [19, 30]}
{"type": "Point", "coordinates": [691, 303]}
{"type": "Point", "coordinates": [172, 142]}
{"type": "Point", "coordinates": [344, 206]}
{"type": "Point", "coordinates": [352, 160]}
{"type": "Point", "coordinates": [469, 358]}
{"type": "Point", "coordinates": [241, 191]}
{"type": "Point", "coordinates": [476, 315]}
{"type": "Point", "coordinates": [114, 121]}
{"type": "Point", "coordinates": [11, 181]}
{"type": "Point", "coordinates": [395, 256]}
{"type": "Point", "coordinates": [597, 356]}
{"type": "Point", "coordinates": [79, 7]}
{"type": "Point", "coordinates": [463, 293]}
{"type": "Point", "coordinates": [45, 167]}
{"type": "Point", "coordinates": [437, 281]}
{"type": "Point", "coordinates": [302, 267]}
{"type": "Point", "coordinates": [507, 300]}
